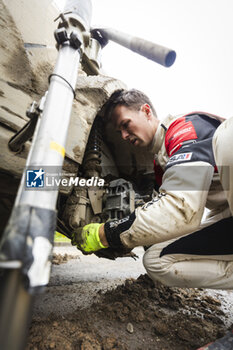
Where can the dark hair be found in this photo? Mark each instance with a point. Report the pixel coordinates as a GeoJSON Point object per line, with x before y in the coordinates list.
{"type": "Point", "coordinates": [133, 99]}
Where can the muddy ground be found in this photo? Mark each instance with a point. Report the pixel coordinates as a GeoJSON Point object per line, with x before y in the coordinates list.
{"type": "Point", "coordinates": [94, 303]}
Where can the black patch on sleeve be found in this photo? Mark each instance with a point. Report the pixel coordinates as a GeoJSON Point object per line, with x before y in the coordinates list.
{"type": "Point", "coordinates": [201, 148]}
{"type": "Point", "coordinates": [114, 228]}
{"type": "Point", "coordinates": [216, 239]}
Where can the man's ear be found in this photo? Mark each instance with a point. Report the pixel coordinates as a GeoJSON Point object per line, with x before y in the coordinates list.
{"type": "Point", "coordinates": [146, 108]}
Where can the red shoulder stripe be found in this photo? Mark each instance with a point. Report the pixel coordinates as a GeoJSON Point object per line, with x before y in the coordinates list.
{"type": "Point", "coordinates": [178, 132]}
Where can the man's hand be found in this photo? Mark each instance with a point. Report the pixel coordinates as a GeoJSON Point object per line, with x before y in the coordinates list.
{"type": "Point", "coordinates": [90, 238]}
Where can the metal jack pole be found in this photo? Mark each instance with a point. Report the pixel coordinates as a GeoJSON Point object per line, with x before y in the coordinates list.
{"type": "Point", "coordinates": [16, 307]}
{"type": "Point", "coordinates": [26, 246]}
{"type": "Point", "coordinates": [157, 53]}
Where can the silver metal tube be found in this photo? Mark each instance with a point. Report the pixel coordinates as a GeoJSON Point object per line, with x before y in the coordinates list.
{"type": "Point", "coordinates": [148, 49]}
{"type": "Point", "coordinates": [15, 311]}
{"type": "Point", "coordinates": [52, 130]}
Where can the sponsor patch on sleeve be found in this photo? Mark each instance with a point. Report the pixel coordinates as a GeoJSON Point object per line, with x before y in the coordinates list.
{"type": "Point", "coordinates": [179, 132]}
{"type": "Point", "coordinates": [180, 157]}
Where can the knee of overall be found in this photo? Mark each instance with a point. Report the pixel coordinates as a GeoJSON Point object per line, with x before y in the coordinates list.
{"type": "Point", "coordinates": [152, 261]}
{"type": "Point", "coordinates": [159, 268]}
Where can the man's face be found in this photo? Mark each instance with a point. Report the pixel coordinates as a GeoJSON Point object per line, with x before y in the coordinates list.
{"type": "Point", "coordinates": [137, 127]}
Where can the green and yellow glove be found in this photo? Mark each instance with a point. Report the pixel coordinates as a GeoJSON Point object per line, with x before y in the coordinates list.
{"type": "Point", "coordinates": [87, 238]}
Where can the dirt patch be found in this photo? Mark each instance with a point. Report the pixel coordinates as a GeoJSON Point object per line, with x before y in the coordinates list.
{"type": "Point", "coordinates": [135, 315]}
{"type": "Point", "coordinates": [62, 259]}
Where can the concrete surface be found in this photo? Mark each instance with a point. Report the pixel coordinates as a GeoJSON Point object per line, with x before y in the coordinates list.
{"type": "Point", "coordinates": [75, 284]}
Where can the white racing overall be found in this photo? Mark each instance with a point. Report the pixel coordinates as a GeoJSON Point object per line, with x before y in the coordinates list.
{"type": "Point", "coordinates": [195, 154]}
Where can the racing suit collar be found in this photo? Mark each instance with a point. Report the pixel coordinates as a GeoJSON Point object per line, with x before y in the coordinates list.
{"type": "Point", "coordinates": [160, 134]}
